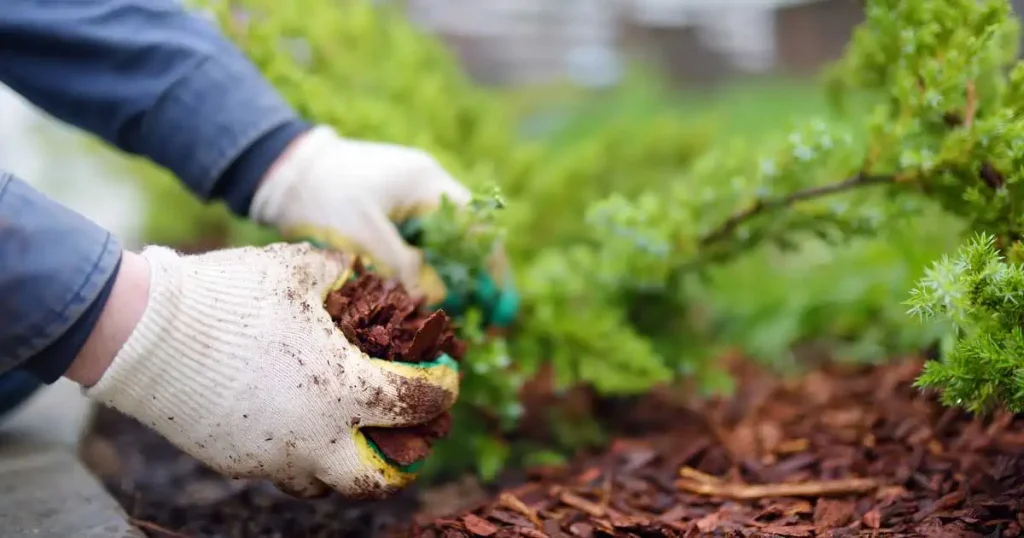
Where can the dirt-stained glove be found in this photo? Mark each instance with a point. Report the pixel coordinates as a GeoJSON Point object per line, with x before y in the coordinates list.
{"type": "Point", "coordinates": [348, 195]}
{"type": "Point", "coordinates": [236, 362]}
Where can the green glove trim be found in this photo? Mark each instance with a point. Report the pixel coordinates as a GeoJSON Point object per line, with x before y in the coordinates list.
{"type": "Point", "coordinates": [443, 360]}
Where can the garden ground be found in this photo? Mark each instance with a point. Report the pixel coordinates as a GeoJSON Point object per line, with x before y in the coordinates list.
{"type": "Point", "coordinates": [840, 451]}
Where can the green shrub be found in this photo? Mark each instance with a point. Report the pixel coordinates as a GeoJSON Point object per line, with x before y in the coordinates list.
{"type": "Point", "coordinates": [983, 295]}
{"type": "Point", "coordinates": [645, 240]}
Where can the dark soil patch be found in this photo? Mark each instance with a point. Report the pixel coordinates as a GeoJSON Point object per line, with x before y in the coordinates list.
{"type": "Point", "coordinates": [379, 317]}
{"type": "Point", "coordinates": [162, 487]}
{"type": "Point", "coordinates": [840, 452]}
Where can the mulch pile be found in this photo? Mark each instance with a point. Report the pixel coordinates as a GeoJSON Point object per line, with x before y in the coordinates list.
{"type": "Point", "coordinates": [840, 452]}
{"type": "Point", "coordinates": [379, 317]}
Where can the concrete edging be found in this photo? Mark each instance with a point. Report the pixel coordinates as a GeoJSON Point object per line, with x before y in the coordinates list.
{"type": "Point", "coordinates": [45, 489]}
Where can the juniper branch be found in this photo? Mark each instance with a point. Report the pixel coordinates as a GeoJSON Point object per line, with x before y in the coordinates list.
{"type": "Point", "coordinates": [765, 205]}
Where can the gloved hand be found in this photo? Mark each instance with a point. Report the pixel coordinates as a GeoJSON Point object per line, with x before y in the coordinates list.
{"type": "Point", "coordinates": [236, 362]}
{"type": "Point", "coordinates": [349, 195]}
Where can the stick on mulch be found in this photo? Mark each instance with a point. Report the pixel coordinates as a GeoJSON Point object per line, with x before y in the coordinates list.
{"type": "Point", "coordinates": [380, 318]}
{"type": "Point", "coordinates": [696, 482]}
{"type": "Point", "coordinates": [843, 452]}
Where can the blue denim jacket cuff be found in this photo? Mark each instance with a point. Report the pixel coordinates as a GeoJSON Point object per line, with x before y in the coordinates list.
{"type": "Point", "coordinates": [56, 263]}
{"type": "Point", "coordinates": [238, 186]}
{"type": "Point", "coordinates": [209, 118]}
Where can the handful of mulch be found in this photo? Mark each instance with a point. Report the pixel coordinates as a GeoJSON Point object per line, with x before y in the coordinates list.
{"type": "Point", "coordinates": [380, 318]}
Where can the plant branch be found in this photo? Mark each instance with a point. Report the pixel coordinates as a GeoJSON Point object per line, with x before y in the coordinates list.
{"type": "Point", "coordinates": [972, 105]}
{"type": "Point", "coordinates": [770, 204]}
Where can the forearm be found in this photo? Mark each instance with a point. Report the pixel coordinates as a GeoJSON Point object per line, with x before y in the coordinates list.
{"type": "Point", "coordinates": [58, 272]}
{"type": "Point", "coordinates": [153, 80]}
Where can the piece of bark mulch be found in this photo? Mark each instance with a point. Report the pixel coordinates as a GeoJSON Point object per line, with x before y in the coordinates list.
{"type": "Point", "coordinates": [844, 451]}
{"type": "Point", "coordinates": [380, 318]}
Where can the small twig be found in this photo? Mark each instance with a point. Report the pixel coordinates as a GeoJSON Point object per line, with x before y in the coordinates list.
{"type": "Point", "coordinates": [760, 491]}
{"type": "Point", "coordinates": [153, 527]}
{"type": "Point", "coordinates": [513, 503]}
{"type": "Point", "coordinates": [769, 204]}
{"type": "Point", "coordinates": [971, 107]}
{"type": "Point", "coordinates": [698, 476]}
{"type": "Point", "coordinates": [606, 490]}
{"type": "Point", "coordinates": [590, 508]}
{"type": "Point", "coordinates": [857, 181]}
{"type": "Point", "coordinates": [793, 445]}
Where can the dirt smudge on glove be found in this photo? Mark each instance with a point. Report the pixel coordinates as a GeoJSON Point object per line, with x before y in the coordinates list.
{"type": "Point", "coordinates": [382, 320]}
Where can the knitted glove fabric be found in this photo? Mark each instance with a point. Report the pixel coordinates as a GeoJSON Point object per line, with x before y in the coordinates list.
{"type": "Point", "coordinates": [236, 362]}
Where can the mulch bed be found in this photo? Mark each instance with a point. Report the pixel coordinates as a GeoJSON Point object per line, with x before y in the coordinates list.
{"type": "Point", "coordinates": [841, 452]}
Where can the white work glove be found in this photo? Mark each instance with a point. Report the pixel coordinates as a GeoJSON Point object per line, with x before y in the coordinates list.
{"type": "Point", "coordinates": [237, 362]}
{"type": "Point", "coordinates": [347, 194]}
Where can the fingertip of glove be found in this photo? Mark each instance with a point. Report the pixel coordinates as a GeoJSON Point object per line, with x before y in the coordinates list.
{"type": "Point", "coordinates": [506, 309]}
{"type": "Point", "coordinates": [502, 303]}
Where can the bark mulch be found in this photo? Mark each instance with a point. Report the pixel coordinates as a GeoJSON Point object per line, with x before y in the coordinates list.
{"type": "Point", "coordinates": [378, 316]}
{"type": "Point", "coordinates": [841, 452]}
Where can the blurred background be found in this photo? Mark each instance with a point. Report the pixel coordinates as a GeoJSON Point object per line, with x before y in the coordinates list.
{"type": "Point", "coordinates": [753, 58]}
{"type": "Point", "coordinates": [566, 68]}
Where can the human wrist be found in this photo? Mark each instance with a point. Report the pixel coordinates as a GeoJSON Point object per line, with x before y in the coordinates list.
{"type": "Point", "coordinates": [121, 313]}
{"type": "Point", "coordinates": [189, 348]}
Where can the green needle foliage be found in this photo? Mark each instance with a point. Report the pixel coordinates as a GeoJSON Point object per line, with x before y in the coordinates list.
{"type": "Point", "coordinates": [459, 241]}
{"type": "Point", "coordinates": [983, 296]}
{"type": "Point", "coordinates": [644, 241]}
{"type": "Point", "coordinates": [952, 122]}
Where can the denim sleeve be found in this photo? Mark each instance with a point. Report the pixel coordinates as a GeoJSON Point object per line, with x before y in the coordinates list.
{"type": "Point", "coordinates": [152, 79]}
{"type": "Point", "coordinates": [57, 270]}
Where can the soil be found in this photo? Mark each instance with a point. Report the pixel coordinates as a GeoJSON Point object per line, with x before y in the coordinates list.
{"type": "Point", "coordinates": [843, 451]}
{"type": "Point", "coordinates": [380, 318]}
{"type": "Point", "coordinates": [168, 494]}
